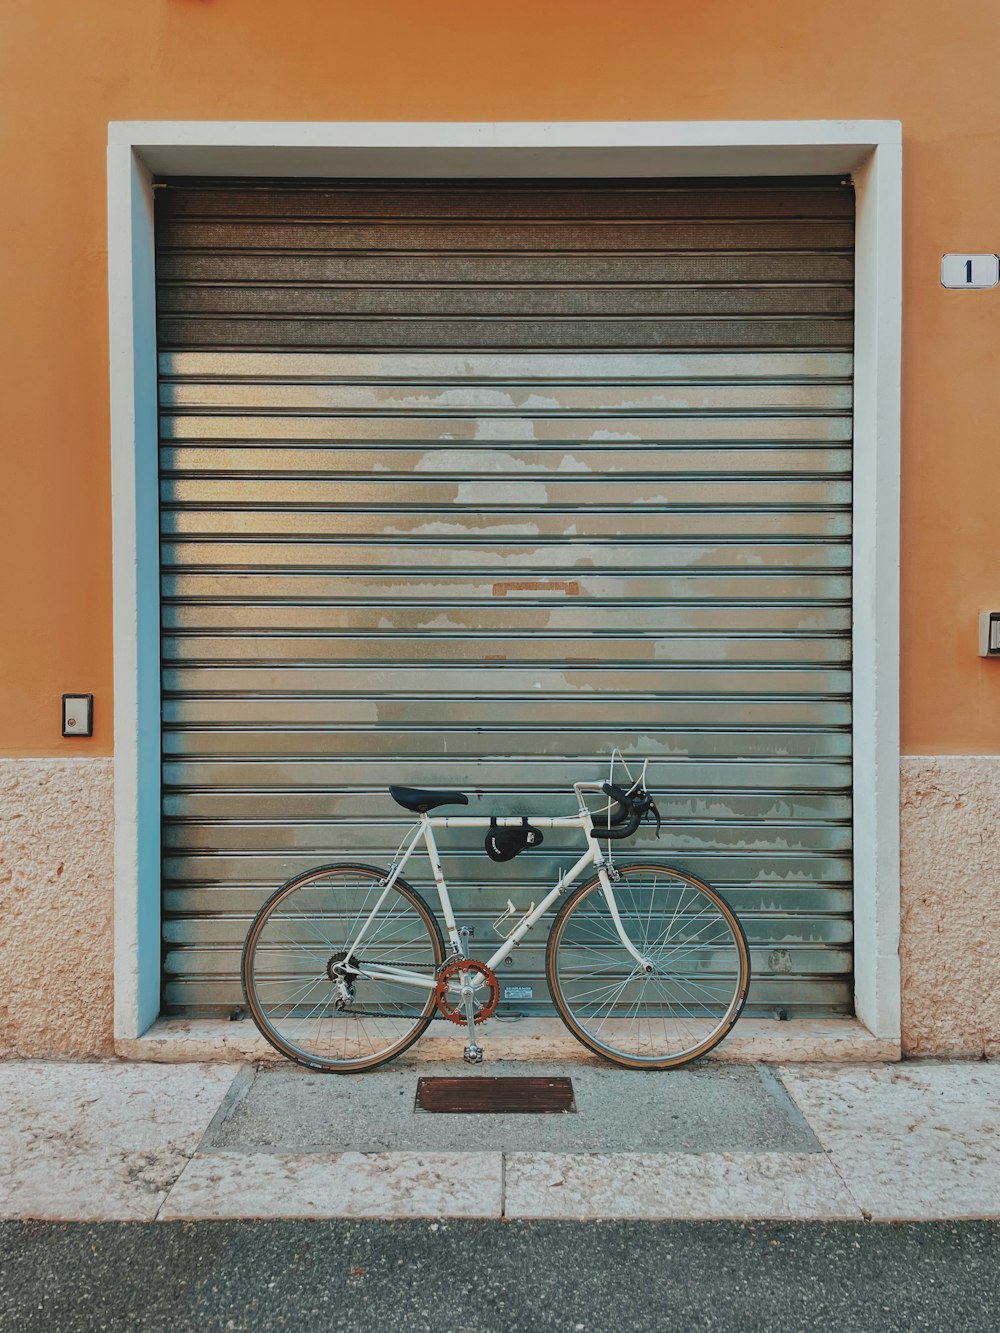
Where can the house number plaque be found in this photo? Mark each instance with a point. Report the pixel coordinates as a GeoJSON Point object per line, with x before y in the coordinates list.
{"type": "Point", "coordinates": [973, 272]}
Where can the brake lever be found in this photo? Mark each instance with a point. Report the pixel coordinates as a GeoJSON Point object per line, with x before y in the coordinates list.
{"type": "Point", "coordinates": [652, 810]}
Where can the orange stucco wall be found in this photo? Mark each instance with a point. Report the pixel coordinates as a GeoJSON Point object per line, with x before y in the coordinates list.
{"type": "Point", "coordinates": [68, 68]}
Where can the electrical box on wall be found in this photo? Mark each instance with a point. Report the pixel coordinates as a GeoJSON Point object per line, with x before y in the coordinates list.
{"type": "Point", "coordinates": [78, 715]}
{"type": "Point", "coordinates": [989, 634]}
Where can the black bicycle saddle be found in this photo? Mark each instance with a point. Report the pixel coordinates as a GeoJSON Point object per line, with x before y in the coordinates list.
{"type": "Point", "coordinates": [420, 801]}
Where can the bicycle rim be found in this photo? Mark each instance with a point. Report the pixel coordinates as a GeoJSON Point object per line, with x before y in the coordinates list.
{"type": "Point", "coordinates": [699, 956]}
{"type": "Point", "coordinates": [292, 947]}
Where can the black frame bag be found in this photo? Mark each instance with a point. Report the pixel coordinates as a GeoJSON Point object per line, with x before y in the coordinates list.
{"type": "Point", "coordinates": [505, 842]}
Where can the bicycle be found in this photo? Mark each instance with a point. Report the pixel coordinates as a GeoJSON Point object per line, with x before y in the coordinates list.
{"type": "Point", "coordinates": [345, 966]}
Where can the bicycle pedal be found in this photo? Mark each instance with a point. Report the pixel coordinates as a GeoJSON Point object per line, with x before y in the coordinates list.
{"type": "Point", "coordinates": [473, 1055]}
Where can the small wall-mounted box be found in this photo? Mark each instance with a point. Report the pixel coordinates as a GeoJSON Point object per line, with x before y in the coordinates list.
{"type": "Point", "coordinates": [989, 634]}
{"type": "Point", "coordinates": [78, 715]}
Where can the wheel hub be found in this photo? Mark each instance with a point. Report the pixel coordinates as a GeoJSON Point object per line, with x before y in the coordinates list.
{"type": "Point", "coordinates": [340, 968]}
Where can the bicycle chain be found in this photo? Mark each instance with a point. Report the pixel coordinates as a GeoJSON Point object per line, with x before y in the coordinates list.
{"type": "Point", "coordinates": [436, 1017]}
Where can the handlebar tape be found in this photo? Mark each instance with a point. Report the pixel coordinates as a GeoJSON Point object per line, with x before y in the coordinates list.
{"type": "Point", "coordinates": [625, 820]}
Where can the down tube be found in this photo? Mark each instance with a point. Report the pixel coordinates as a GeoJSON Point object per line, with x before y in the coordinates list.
{"type": "Point", "coordinates": [518, 933]}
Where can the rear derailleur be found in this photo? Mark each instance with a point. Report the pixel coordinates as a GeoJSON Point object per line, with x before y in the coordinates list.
{"type": "Point", "coordinates": [342, 971]}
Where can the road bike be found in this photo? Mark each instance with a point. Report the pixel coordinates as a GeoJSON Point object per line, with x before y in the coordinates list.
{"type": "Point", "coordinates": [345, 966]}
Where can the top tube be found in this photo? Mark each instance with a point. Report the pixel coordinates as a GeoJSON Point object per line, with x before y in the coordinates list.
{"type": "Point", "coordinates": [503, 821]}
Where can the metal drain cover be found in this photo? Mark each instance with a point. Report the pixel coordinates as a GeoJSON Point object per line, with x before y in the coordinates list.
{"type": "Point", "coordinates": [495, 1096]}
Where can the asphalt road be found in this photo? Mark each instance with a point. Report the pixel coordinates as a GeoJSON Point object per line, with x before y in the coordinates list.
{"type": "Point", "coordinates": [491, 1277]}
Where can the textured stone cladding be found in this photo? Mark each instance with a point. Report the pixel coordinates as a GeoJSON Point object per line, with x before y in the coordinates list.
{"type": "Point", "coordinates": [56, 907]}
{"type": "Point", "coordinates": [950, 890]}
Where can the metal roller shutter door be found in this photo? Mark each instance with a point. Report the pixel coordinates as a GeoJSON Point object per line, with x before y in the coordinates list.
{"type": "Point", "coordinates": [462, 485]}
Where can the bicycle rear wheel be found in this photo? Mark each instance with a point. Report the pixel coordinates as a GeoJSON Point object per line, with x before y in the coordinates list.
{"type": "Point", "coordinates": [700, 968]}
{"type": "Point", "coordinates": [289, 968]}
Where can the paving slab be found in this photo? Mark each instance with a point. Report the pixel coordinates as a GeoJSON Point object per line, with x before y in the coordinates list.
{"type": "Point", "coordinates": [707, 1108]}
{"type": "Point", "coordinates": [100, 1141]}
{"type": "Point", "coordinates": [911, 1142]}
{"type": "Point", "coordinates": [380, 1185]}
{"type": "Point", "coordinates": [664, 1186]}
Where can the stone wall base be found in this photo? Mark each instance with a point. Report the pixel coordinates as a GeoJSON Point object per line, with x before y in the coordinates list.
{"type": "Point", "coordinates": [950, 891]}
{"type": "Point", "coordinates": [56, 907]}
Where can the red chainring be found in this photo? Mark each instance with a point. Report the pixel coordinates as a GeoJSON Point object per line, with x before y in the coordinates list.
{"type": "Point", "coordinates": [449, 972]}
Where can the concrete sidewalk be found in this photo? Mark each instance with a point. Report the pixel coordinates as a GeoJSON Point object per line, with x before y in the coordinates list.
{"type": "Point", "coordinates": [144, 1142]}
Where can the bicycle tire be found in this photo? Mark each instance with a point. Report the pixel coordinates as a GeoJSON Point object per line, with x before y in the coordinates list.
{"type": "Point", "coordinates": [324, 929]}
{"type": "Point", "coordinates": [709, 971]}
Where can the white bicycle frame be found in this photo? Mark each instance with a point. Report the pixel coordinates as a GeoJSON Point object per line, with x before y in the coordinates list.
{"type": "Point", "coordinates": [425, 830]}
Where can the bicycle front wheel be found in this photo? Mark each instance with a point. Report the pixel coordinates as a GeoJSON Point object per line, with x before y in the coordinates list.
{"type": "Point", "coordinates": [700, 965]}
{"type": "Point", "coordinates": [292, 985]}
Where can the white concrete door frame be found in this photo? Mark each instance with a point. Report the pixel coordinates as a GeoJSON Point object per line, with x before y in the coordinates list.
{"type": "Point", "coordinates": [869, 151]}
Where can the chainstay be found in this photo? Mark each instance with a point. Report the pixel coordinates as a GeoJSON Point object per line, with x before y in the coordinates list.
{"type": "Point", "coordinates": [389, 962]}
